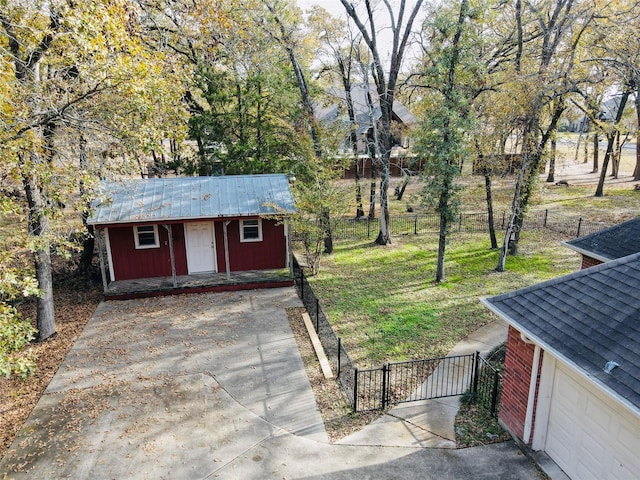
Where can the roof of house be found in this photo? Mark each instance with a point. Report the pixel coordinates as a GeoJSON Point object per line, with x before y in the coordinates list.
{"type": "Point", "coordinates": [166, 199]}
{"type": "Point", "coordinates": [611, 243]}
{"type": "Point", "coordinates": [333, 112]}
{"type": "Point", "coordinates": [586, 319]}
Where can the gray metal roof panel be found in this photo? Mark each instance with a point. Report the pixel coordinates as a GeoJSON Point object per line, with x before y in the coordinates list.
{"type": "Point", "coordinates": [596, 318]}
{"type": "Point", "coordinates": [611, 243]}
{"type": "Point", "coordinates": [165, 199]}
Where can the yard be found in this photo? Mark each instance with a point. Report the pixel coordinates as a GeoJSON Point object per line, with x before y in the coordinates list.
{"type": "Point", "coordinates": [381, 300]}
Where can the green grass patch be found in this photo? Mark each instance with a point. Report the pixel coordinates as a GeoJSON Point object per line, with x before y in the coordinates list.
{"type": "Point", "coordinates": [384, 304]}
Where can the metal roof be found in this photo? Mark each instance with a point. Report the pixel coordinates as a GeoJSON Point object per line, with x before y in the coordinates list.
{"type": "Point", "coordinates": [166, 199]}
{"type": "Point", "coordinates": [587, 319]}
{"type": "Point", "coordinates": [613, 242]}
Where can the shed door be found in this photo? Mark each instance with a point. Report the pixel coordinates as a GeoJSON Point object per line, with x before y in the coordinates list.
{"type": "Point", "coordinates": [589, 435]}
{"type": "Point", "coordinates": [201, 247]}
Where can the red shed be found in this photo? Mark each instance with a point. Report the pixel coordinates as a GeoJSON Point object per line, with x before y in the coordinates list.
{"type": "Point", "coordinates": [181, 233]}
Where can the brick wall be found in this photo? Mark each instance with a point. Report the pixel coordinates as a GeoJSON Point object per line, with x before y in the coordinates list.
{"type": "Point", "coordinates": [589, 262]}
{"type": "Point", "coordinates": [515, 385]}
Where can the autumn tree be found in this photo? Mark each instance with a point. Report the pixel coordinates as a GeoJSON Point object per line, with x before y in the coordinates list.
{"type": "Point", "coordinates": [61, 62]}
{"type": "Point", "coordinates": [549, 35]}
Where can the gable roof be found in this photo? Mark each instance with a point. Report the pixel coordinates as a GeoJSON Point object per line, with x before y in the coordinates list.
{"type": "Point", "coordinates": [611, 243]}
{"type": "Point", "coordinates": [166, 199]}
{"type": "Point", "coordinates": [586, 319]}
{"type": "Point", "coordinates": [333, 112]}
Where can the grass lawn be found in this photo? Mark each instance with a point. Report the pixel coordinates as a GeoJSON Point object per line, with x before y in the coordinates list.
{"type": "Point", "coordinates": [383, 303]}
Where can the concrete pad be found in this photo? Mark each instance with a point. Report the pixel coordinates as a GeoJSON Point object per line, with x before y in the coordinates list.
{"type": "Point", "coordinates": [424, 424]}
{"type": "Point", "coordinates": [170, 387]}
{"type": "Point", "coordinates": [170, 427]}
{"type": "Point", "coordinates": [286, 457]}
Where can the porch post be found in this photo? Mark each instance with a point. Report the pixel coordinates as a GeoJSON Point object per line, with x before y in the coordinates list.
{"type": "Point", "coordinates": [226, 248]}
{"type": "Point", "coordinates": [171, 255]}
{"type": "Point", "coordinates": [99, 234]}
{"type": "Point", "coordinates": [287, 234]}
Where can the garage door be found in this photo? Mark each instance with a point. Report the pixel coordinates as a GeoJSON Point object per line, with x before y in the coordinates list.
{"type": "Point", "coordinates": [589, 435]}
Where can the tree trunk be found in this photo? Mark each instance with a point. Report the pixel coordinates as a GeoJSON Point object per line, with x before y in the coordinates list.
{"type": "Point", "coordinates": [359, 207]}
{"type": "Point", "coordinates": [442, 245]}
{"type": "Point", "coordinates": [326, 228]}
{"type": "Point", "coordinates": [552, 161]}
{"type": "Point", "coordinates": [372, 191]}
{"type": "Point", "coordinates": [636, 171]}
{"type": "Point", "coordinates": [596, 152]}
{"type": "Point", "coordinates": [489, 196]}
{"type": "Point", "coordinates": [88, 244]}
{"type": "Point", "coordinates": [403, 187]}
{"type": "Point", "coordinates": [610, 141]}
{"type": "Point", "coordinates": [38, 229]}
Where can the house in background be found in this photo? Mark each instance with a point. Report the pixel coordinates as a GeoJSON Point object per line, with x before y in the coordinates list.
{"type": "Point", "coordinates": [608, 244]}
{"type": "Point", "coordinates": [174, 235]}
{"type": "Point", "coordinates": [571, 384]}
{"type": "Point", "coordinates": [366, 112]}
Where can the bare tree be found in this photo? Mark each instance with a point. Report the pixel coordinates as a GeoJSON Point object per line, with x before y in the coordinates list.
{"type": "Point", "coordinates": [385, 82]}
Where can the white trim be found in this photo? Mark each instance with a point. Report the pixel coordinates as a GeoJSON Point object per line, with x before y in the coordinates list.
{"type": "Point", "coordinates": [543, 405]}
{"type": "Point", "coordinates": [136, 237]}
{"type": "Point", "coordinates": [242, 238]}
{"type": "Point", "coordinates": [109, 257]}
{"type": "Point", "coordinates": [533, 381]}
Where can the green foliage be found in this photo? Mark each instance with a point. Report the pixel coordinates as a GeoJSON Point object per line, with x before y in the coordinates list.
{"type": "Point", "coordinates": [15, 332]}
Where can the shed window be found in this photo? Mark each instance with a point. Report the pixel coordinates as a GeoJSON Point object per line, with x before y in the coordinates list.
{"type": "Point", "coordinates": [146, 236]}
{"type": "Point", "coordinates": [251, 230]}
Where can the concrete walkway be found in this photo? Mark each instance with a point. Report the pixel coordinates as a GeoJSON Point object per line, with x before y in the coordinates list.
{"type": "Point", "coordinates": [428, 423]}
{"type": "Point", "coordinates": [209, 386]}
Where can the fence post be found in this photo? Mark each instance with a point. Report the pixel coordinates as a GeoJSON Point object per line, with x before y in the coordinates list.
{"type": "Point", "coordinates": [317, 315]}
{"type": "Point", "coordinates": [460, 223]}
{"type": "Point", "coordinates": [415, 225]}
{"type": "Point", "coordinates": [368, 227]}
{"type": "Point", "coordinates": [579, 226]}
{"type": "Point", "coordinates": [302, 284]}
{"type": "Point", "coordinates": [503, 219]}
{"type": "Point", "coordinates": [339, 354]}
{"type": "Point", "coordinates": [494, 393]}
{"type": "Point", "coordinates": [355, 390]}
{"type": "Point", "coordinates": [546, 214]}
{"type": "Point", "coordinates": [476, 372]}
{"type": "Point", "coordinates": [384, 386]}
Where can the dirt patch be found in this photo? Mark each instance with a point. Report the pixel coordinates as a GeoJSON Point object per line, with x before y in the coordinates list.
{"type": "Point", "coordinates": [339, 419]}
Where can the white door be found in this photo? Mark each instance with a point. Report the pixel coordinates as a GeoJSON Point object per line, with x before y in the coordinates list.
{"type": "Point", "coordinates": [589, 435]}
{"type": "Point", "coordinates": [201, 247]}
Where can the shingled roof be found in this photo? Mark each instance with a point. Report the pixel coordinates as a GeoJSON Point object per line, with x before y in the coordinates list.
{"type": "Point", "coordinates": [167, 199]}
{"type": "Point", "coordinates": [614, 242]}
{"type": "Point", "coordinates": [586, 319]}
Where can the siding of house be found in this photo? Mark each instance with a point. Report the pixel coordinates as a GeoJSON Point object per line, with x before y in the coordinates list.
{"type": "Point", "coordinates": [271, 252]}
{"type": "Point", "coordinates": [130, 263]}
{"type": "Point", "coordinates": [589, 262]}
{"type": "Point", "coordinates": [515, 389]}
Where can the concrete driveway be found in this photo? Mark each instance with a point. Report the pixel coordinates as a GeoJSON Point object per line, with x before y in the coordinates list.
{"type": "Point", "coordinates": [207, 386]}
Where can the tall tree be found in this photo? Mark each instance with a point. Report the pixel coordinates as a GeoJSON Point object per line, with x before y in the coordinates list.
{"type": "Point", "coordinates": [60, 61]}
{"type": "Point", "coordinates": [385, 81]}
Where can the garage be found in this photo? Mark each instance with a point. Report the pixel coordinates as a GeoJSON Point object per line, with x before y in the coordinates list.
{"type": "Point", "coordinates": [589, 435]}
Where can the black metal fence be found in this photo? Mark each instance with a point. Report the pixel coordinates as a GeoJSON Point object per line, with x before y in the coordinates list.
{"type": "Point", "coordinates": [414, 224]}
{"type": "Point", "coordinates": [487, 385]}
{"type": "Point", "coordinates": [393, 383]}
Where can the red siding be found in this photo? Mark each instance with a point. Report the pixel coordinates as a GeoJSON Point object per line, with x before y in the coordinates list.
{"type": "Point", "coordinates": [515, 386]}
{"type": "Point", "coordinates": [130, 263]}
{"type": "Point", "coordinates": [271, 252]}
{"type": "Point", "coordinates": [589, 262]}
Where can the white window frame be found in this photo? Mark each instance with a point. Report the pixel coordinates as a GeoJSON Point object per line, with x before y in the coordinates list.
{"type": "Point", "coordinates": [243, 239]}
{"type": "Point", "coordinates": [136, 237]}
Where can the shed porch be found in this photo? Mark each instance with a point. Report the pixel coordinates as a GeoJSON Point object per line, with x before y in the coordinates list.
{"type": "Point", "coordinates": [198, 283]}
